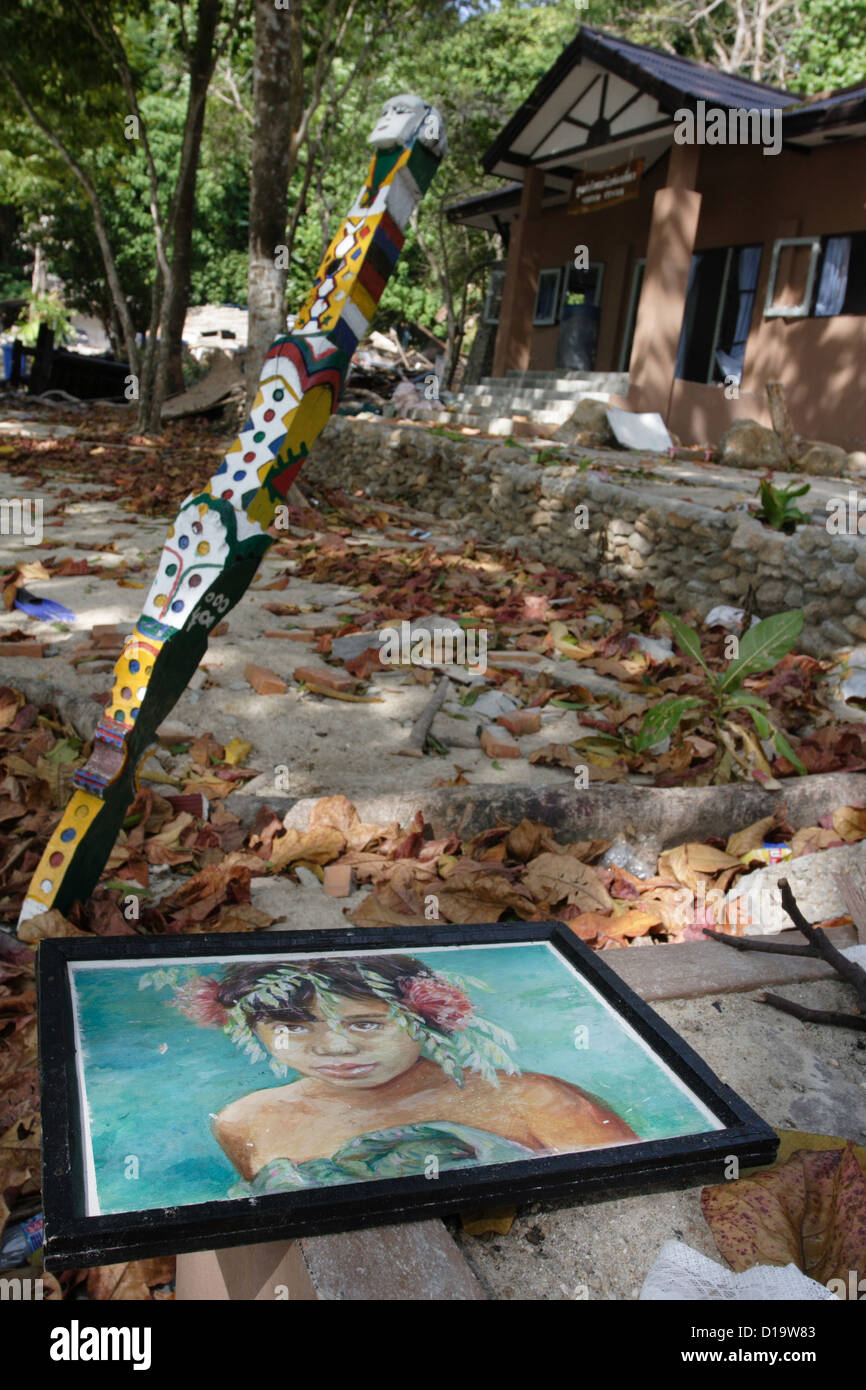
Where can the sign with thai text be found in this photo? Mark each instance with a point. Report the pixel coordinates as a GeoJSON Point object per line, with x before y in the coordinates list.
{"type": "Point", "coordinates": [606, 187]}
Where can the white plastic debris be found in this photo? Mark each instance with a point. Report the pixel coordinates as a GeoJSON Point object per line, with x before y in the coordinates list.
{"type": "Point", "coordinates": [853, 684]}
{"type": "Point", "coordinates": [634, 431]}
{"type": "Point", "coordinates": [682, 1274]}
{"type": "Point", "coordinates": [622, 855]}
{"type": "Point", "coordinates": [659, 648]}
{"type": "Point", "coordinates": [731, 619]}
{"type": "Point", "coordinates": [492, 703]}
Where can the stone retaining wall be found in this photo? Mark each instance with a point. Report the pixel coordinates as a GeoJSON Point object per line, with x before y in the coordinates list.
{"type": "Point", "coordinates": [694, 556]}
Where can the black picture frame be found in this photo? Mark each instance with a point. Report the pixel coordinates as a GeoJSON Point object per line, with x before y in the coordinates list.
{"type": "Point", "coordinates": [73, 1239]}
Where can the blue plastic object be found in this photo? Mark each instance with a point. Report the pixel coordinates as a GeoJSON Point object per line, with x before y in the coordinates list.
{"type": "Point", "coordinates": [45, 609]}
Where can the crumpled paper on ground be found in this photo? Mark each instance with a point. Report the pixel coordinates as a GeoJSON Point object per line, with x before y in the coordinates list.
{"type": "Point", "coordinates": [682, 1274]}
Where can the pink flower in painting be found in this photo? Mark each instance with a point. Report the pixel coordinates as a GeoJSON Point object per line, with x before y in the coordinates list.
{"type": "Point", "coordinates": [198, 1000]}
{"type": "Point", "coordinates": [440, 1003]}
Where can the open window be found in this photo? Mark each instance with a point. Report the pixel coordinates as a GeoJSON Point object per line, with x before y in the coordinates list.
{"type": "Point", "coordinates": [841, 276]}
{"type": "Point", "coordinates": [631, 316]}
{"type": "Point", "coordinates": [581, 287]}
{"type": "Point", "coordinates": [793, 269]}
{"type": "Point", "coordinates": [720, 302]}
{"type": "Point", "coordinates": [547, 297]}
{"type": "Point", "coordinates": [493, 298]}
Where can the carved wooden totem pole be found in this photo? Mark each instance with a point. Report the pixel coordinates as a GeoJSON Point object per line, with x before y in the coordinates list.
{"type": "Point", "coordinates": [217, 542]}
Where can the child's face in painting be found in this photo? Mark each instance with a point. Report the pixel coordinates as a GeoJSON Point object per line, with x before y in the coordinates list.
{"type": "Point", "coordinates": [367, 1048]}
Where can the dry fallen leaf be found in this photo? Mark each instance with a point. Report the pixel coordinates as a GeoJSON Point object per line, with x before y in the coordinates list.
{"type": "Point", "coordinates": [850, 822]}
{"type": "Point", "coordinates": [635, 921]}
{"type": "Point", "coordinates": [236, 751]}
{"type": "Point", "coordinates": [528, 839]}
{"type": "Point", "coordinates": [338, 812]}
{"type": "Point", "coordinates": [51, 923]}
{"type": "Point", "coordinates": [810, 1210]}
{"type": "Point", "coordinates": [553, 878]}
{"type": "Point", "coordinates": [813, 837]}
{"type": "Point", "coordinates": [691, 862]}
{"type": "Point", "coordinates": [319, 845]}
{"type": "Point", "coordinates": [750, 837]}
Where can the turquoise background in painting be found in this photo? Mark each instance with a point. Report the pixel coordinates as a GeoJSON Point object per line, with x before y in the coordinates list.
{"type": "Point", "coordinates": [156, 1105]}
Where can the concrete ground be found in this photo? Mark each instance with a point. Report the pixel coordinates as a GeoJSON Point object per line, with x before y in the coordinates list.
{"type": "Point", "coordinates": [795, 1075]}
{"type": "Point", "coordinates": [325, 744]}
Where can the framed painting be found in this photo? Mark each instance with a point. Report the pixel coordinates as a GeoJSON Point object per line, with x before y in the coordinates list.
{"type": "Point", "coordinates": [207, 1091]}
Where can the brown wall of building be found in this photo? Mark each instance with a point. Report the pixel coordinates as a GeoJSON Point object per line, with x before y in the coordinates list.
{"type": "Point", "coordinates": [747, 197]}
{"type": "Point", "coordinates": [617, 236]}
{"type": "Point", "coordinates": [752, 197]}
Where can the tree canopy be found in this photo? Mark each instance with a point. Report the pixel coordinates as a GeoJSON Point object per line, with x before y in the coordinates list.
{"type": "Point", "coordinates": [475, 59]}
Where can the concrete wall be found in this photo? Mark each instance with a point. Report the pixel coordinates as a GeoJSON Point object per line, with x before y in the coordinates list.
{"type": "Point", "coordinates": [694, 556]}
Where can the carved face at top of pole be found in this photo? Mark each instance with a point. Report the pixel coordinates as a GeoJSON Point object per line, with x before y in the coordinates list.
{"type": "Point", "coordinates": [400, 121]}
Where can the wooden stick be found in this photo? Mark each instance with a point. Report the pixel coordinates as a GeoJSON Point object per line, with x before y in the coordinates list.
{"type": "Point", "coordinates": [848, 969]}
{"type": "Point", "coordinates": [782, 423]}
{"type": "Point", "coordinates": [787, 1006]}
{"type": "Point", "coordinates": [421, 728]}
{"type": "Point", "coordinates": [757, 943]}
{"type": "Point", "coordinates": [819, 946]}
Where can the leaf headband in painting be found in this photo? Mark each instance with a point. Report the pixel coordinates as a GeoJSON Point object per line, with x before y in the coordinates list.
{"type": "Point", "coordinates": [433, 1008]}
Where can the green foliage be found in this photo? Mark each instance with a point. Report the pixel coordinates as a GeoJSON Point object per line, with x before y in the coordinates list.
{"type": "Point", "coordinates": [828, 49]}
{"type": "Point", "coordinates": [760, 649]}
{"type": "Point", "coordinates": [48, 309]}
{"type": "Point", "coordinates": [777, 508]}
{"type": "Point", "coordinates": [13, 285]}
{"type": "Point", "coordinates": [476, 59]}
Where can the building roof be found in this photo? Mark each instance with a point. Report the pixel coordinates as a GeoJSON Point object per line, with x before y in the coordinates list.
{"type": "Point", "coordinates": [641, 89]}
{"type": "Point", "coordinates": [678, 77]}
{"type": "Point", "coordinates": [828, 118]}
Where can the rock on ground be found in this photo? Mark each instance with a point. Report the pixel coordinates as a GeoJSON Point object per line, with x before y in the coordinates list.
{"type": "Point", "coordinates": [812, 882]}
{"type": "Point", "coordinates": [746, 444]}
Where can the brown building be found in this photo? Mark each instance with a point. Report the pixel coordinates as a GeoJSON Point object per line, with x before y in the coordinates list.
{"type": "Point", "coordinates": [704, 233]}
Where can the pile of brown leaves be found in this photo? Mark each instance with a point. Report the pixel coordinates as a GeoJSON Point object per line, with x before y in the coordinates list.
{"type": "Point", "coordinates": [519, 872]}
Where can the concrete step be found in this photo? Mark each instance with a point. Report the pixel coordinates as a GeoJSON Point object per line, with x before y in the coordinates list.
{"type": "Point", "coordinates": [521, 405]}
{"type": "Point", "coordinates": [532, 382]}
{"type": "Point", "coordinates": [471, 416]}
{"type": "Point", "coordinates": [613, 382]}
{"type": "Point", "coordinates": [531, 395]}
{"type": "Point", "coordinates": [488, 422]}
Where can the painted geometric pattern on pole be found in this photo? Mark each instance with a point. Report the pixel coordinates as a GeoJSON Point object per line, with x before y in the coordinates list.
{"type": "Point", "coordinates": [219, 537]}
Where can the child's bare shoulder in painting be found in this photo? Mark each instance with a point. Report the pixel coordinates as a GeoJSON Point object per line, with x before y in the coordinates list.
{"type": "Point", "coordinates": [562, 1115]}
{"type": "Point", "coordinates": [238, 1124]}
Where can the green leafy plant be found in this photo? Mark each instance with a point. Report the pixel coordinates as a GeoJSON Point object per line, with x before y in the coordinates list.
{"type": "Point", "coordinates": [759, 650]}
{"type": "Point", "coordinates": [777, 507]}
{"type": "Point", "coordinates": [49, 309]}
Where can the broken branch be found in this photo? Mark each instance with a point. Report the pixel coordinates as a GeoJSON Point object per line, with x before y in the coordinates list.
{"type": "Point", "coordinates": [788, 1006]}
{"type": "Point", "coordinates": [421, 728]}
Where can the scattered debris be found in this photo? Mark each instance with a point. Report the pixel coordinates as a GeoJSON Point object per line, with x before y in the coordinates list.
{"type": "Point", "coordinates": [645, 431]}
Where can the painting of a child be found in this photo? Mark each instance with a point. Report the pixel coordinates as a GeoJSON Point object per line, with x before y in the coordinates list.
{"type": "Point", "coordinates": [397, 1067]}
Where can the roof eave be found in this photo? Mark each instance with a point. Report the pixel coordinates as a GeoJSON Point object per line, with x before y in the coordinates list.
{"type": "Point", "coordinates": [669, 97]}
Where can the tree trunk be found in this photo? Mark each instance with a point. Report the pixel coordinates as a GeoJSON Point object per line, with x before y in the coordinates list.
{"type": "Point", "coordinates": [118, 298]}
{"type": "Point", "coordinates": [39, 276]}
{"type": "Point", "coordinates": [168, 374]}
{"type": "Point", "coordinates": [447, 298]}
{"type": "Point", "coordinates": [277, 113]}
